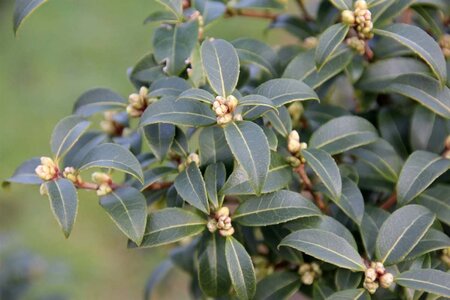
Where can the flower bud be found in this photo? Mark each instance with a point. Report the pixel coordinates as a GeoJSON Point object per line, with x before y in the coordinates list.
{"type": "Point", "coordinates": [212, 225]}
{"type": "Point", "coordinates": [307, 278]}
{"type": "Point", "coordinates": [310, 42]}
{"type": "Point", "coordinates": [304, 268]}
{"type": "Point", "coordinates": [379, 268]}
{"type": "Point", "coordinates": [447, 142]}
{"type": "Point", "coordinates": [71, 174]}
{"type": "Point", "coordinates": [43, 190]}
{"type": "Point", "coordinates": [226, 232]}
{"type": "Point", "coordinates": [221, 100]}
{"type": "Point", "coordinates": [371, 287]}
{"type": "Point", "coordinates": [223, 211]}
{"type": "Point", "coordinates": [386, 280]}
{"type": "Point", "coordinates": [371, 275]}
{"type": "Point", "coordinates": [294, 142]}
{"type": "Point", "coordinates": [103, 189]}
{"type": "Point", "coordinates": [348, 17]}
{"type": "Point", "coordinates": [237, 117]}
{"type": "Point", "coordinates": [101, 178]}
{"type": "Point", "coordinates": [143, 92]}
{"type": "Point", "coordinates": [293, 161]}
{"type": "Point", "coordinates": [361, 4]}
{"type": "Point", "coordinates": [232, 103]}
{"type": "Point", "coordinates": [47, 170]}
{"type": "Point", "coordinates": [193, 157]}
{"type": "Point", "coordinates": [295, 110]}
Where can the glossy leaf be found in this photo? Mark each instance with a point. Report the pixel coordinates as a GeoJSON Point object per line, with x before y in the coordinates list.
{"type": "Point", "coordinates": [371, 223]}
{"type": "Point", "coordinates": [98, 100]}
{"type": "Point", "coordinates": [168, 86]}
{"type": "Point", "coordinates": [215, 175]}
{"type": "Point", "coordinates": [283, 91]}
{"type": "Point", "coordinates": [191, 187]}
{"type": "Point", "coordinates": [432, 241]}
{"type": "Point", "coordinates": [256, 100]}
{"type": "Point", "coordinates": [401, 232]}
{"type": "Point", "coordinates": [127, 207]}
{"type": "Point", "coordinates": [278, 285]}
{"type": "Point", "coordinates": [428, 280]}
{"type": "Point", "coordinates": [23, 9]}
{"type": "Point", "coordinates": [174, 6]}
{"type": "Point", "coordinates": [329, 41]}
{"type": "Point", "coordinates": [66, 133]}
{"type": "Point", "coordinates": [26, 173]}
{"type": "Point", "coordinates": [352, 294]}
{"type": "Point", "coordinates": [197, 95]}
{"type": "Point", "coordinates": [342, 4]}
{"type": "Point", "coordinates": [437, 199]}
{"type": "Point", "coordinates": [256, 52]}
{"type": "Point", "coordinates": [345, 279]}
{"type": "Point", "coordinates": [159, 137]}
{"type": "Point", "coordinates": [213, 146]}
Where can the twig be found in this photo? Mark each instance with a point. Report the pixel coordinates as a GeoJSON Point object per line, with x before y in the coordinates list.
{"type": "Point", "coordinates": [304, 11]}
{"type": "Point", "coordinates": [159, 186]}
{"type": "Point", "coordinates": [390, 201]}
{"type": "Point", "coordinates": [368, 51]}
{"type": "Point", "coordinates": [248, 13]}
{"type": "Point", "coordinates": [300, 170]}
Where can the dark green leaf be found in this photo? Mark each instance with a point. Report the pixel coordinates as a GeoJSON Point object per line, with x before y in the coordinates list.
{"type": "Point", "coordinates": [26, 173]}
{"type": "Point", "coordinates": [372, 221]}
{"type": "Point", "coordinates": [23, 9]}
{"type": "Point", "coordinates": [174, 6]}
{"type": "Point", "coordinates": [280, 121]}
{"type": "Point", "coordinates": [191, 187]}
{"type": "Point", "coordinates": [213, 146]}
{"type": "Point", "coordinates": [329, 41]}
{"type": "Point", "coordinates": [198, 95]}
{"type": "Point", "coordinates": [346, 279]}
{"type": "Point", "coordinates": [157, 276]}
{"type": "Point", "coordinates": [433, 240]}
{"type": "Point", "coordinates": [393, 127]}
{"type": "Point", "coordinates": [353, 294]}
{"type": "Point", "coordinates": [168, 86]}
{"type": "Point", "coordinates": [428, 280]}
{"type": "Point", "coordinates": [283, 91]}
{"type": "Point", "coordinates": [215, 175]}
{"type": "Point", "coordinates": [256, 100]}
{"type": "Point", "coordinates": [342, 4]}
{"type": "Point", "coordinates": [66, 133]}
{"type": "Point", "coordinates": [98, 100]}
{"type": "Point", "coordinates": [256, 52]}
{"type": "Point", "coordinates": [427, 130]}
{"type": "Point", "coordinates": [278, 285]}
{"type": "Point", "coordinates": [85, 143]}
{"type": "Point", "coordinates": [159, 137]}
{"type": "Point", "coordinates": [437, 199]}
{"type": "Point", "coordinates": [156, 174]}
{"type": "Point", "coordinates": [210, 10]}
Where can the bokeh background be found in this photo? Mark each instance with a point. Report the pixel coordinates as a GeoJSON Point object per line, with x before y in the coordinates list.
{"type": "Point", "coordinates": [63, 49]}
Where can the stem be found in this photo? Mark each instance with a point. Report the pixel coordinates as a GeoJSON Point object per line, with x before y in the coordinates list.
{"type": "Point", "coordinates": [93, 186]}
{"type": "Point", "coordinates": [304, 11]}
{"type": "Point", "coordinates": [368, 52]}
{"type": "Point", "coordinates": [390, 201]}
{"type": "Point", "coordinates": [248, 13]}
{"type": "Point", "coordinates": [300, 170]}
{"type": "Point", "coordinates": [159, 186]}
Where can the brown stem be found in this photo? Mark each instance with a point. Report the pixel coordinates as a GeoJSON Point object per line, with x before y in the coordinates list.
{"type": "Point", "coordinates": [93, 186]}
{"type": "Point", "coordinates": [304, 11]}
{"type": "Point", "coordinates": [159, 186]}
{"type": "Point", "coordinates": [368, 51]}
{"type": "Point", "coordinates": [390, 201]}
{"type": "Point", "coordinates": [86, 185]}
{"type": "Point", "coordinates": [248, 13]}
{"type": "Point", "coordinates": [300, 170]}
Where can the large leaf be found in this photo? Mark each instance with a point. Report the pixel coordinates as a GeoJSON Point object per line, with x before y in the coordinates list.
{"type": "Point", "coordinates": [112, 156]}
{"type": "Point", "coordinates": [191, 187]}
{"type": "Point", "coordinates": [437, 199]}
{"type": "Point", "coordinates": [433, 240]}
{"type": "Point", "coordinates": [187, 113]}
{"type": "Point", "coordinates": [213, 146]}
{"type": "Point", "coordinates": [421, 43]}
{"type": "Point", "coordinates": [215, 175]}
{"type": "Point", "coordinates": [256, 52]}
{"type": "Point", "coordinates": [158, 275]}
{"type": "Point", "coordinates": [212, 268]}
{"type": "Point", "coordinates": [342, 134]}
{"type": "Point", "coordinates": [427, 130]}
{"type": "Point", "coordinates": [372, 221]}
{"type": "Point", "coordinates": [240, 269]}
{"type": "Point", "coordinates": [168, 86]}
{"type": "Point", "coordinates": [345, 279]}
{"type": "Point", "coordinates": [278, 285]}
{"type": "Point", "coordinates": [274, 208]}
{"type": "Point", "coordinates": [352, 294]}
{"type": "Point", "coordinates": [169, 225]}
{"type": "Point", "coordinates": [26, 173]}
{"type": "Point", "coordinates": [66, 133]}
{"type": "Point", "coordinates": [85, 143]}
{"type": "Point", "coordinates": [428, 280]}
{"type": "Point", "coordinates": [159, 137]}
{"type": "Point", "coordinates": [23, 9]}
{"type": "Point", "coordinates": [325, 246]}
{"type": "Point", "coordinates": [329, 41]}
{"type": "Point", "coordinates": [98, 100]}
{"type": "Point", "coordinates": [283, 91]}
{"type": "Point", "coordinates": [221, 64]}
{"type": "Point", "coordinates": [326, 169]}
{"type": "Point", "coordinates": [174, 44]}
{"type": "Point", "coordinates": [401, 232]}
{"type": "Point", "coordinates": [419, 171]}
{"type": "Point", "coordinates": [127, 207]}
{"type": "Point", "coordinates": [63, 202]}
{"type": "Point", "coordinates": [249, 145]}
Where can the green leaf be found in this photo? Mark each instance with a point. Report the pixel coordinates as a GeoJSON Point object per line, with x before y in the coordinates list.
{"type": "Point", "coordinates": [392, 126]}
{"type": "Point", "coordinates": [174, 44]}
{"type": "Point", "coordinates": [427, 130]}
{"type": "Point", "coordinates": [325, 246]}
{"type": "Point", "coordinates": [23, 9]}
{"type": "Point", "coordinates": [98, 100]}
{"type": "Point", "coordinates": [26, 173]}
{"type": "Point", "coordinates": [249, 145]}
{"type": "Point", "coordinates": [154, 175]}
{"type": "Point", "coordinates": [329, 41]}
{"type": "Point", "coordinates": [197, 95]}
{"type": "Point", "coordinates": [283, 91]}
{"type": "Point", "coordinates": [66, 133]}
{"type": "Point", "coordinates": [321, 290]}
{"type": "Point", "coordinates": [278, 285]}
{"type": "Point", "coordinates": [353, 294]}
{"type": "Point", "coordinates": [174, 6]}
{"type": "Point", "coordinates": [212, 268]}
{"type": "Point", "coordinates": [342, 134]}
{"type": "Point", "coordinates": [112, 156]}
{"type": "Point", "coordinates": [169, 225]}
{"type": "Point", "coordinates": [191, 187]}
{"type": "Point", "coordinates": [210, 10]}
{"type": "Point", "coordinates": [215, 175]}
{"type": "Point", "coordinates": [326, 169]}
{"type": "Point", "coordinates": [421, 43]}
{"type": "Point", "coordinates": [240, 269]}
{"type": "Point", "coordinates": [345, 279]}
{"type": "Point", "coordinates": [372, 221]}
{"type": "Point", "coordinates": [158, 275]}
{"type": "Point", "coordinates": [381, 157]}
{"type": "Point", "coordinates": [221, 64]}
{"type": "Point", "coordinates": [213, 146]}
{"type": "Point", "coordinates": [437, 200]}
{"type": "Point", "coordinates": [419, 171]}
{"type": "Point", "coordinates": [180, 143]}
{"type": "Point", "coordinates": [428, 280]}
{"type": "Point", "coordinates": [85, 143]}
{"type": "Point", "coordinates": [425, 90]}
{"type": "Point", "coordinates": [161, 16]}
{"type": "Point", "coordinates": [256, 100]}
{"type": "Point", "coordinates": [342, 4]}
{"type": "Point", "coordinates": [274, 208]}
{"type": "Point", "coordinates": [63, 202]}
{"type": "Point", "coordinates": [401, 232]}
{"type": "Point", "coordinates": [280, 121]}
{"type": "Point", "coordinates": [168, 86]}
{"type": "Point", "coordinates": [127, 208]}
{"type": "Point", "coordinates": [159, 137]}
{"type": "Point", "coordinates": [187, 113]}
{"type": "Point", "coordinates": [432, 241]}
{"type": "Point", "coordinates": [256, 52]}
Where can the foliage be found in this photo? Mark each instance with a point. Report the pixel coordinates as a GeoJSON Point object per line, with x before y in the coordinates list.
{"type": "Point", "coordinates": [360, 211]}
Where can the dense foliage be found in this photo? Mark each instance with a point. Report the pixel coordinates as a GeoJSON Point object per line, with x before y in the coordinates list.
{"type": "Point", "coordinates": [319, 168]}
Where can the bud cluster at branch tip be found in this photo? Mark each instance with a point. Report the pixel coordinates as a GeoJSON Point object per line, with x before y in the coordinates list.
{"type": "Point", "coordinates": [72, 174]}
{"type": "Point", "coordinates": [221, 222]}
{"type": "Point", "coordinates": [309, 272]}
{"type": "Point", "coordinates": [361, 20]}
{"type": "Point", "coordinates": [104, 182]}
{"type": "Point", "coordinates": [295, 148]}
{"type": "Point", "coordinates": [444, 42]}
{"type": "Point", "coordinates": [376, 276]}
{"type": "Point", "coordinates": [138, 102]}
{"type": "Point", "coordinates": [224, 109]}
{"type": "Point", "coordinates": [47, 170]}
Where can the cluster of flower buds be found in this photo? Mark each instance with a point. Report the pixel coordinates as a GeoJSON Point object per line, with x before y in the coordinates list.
{"type": "Point", "coordinates": [361, 20]}
{"type": "Point", "coordinates": [445, 257]}
{"type": "Point", "coordinates": [224, 108]}
{"type": "Point", "coordinates": [295, 148]}
{"type": "Point", "coordinates": [221, 222]}
{"type": "Point", "coordinates": [310, 42]}
{"type": "Point", "coordinates": [48, 169]}
{"type": "Point", "coordinates": [72, 174]}
{"type": "Point", "coordinates": [357, 44]}
{"type": "Point", "coordinates": [104, 182]}
{"type": "Point", "coordinates": [309, 272]}
{"type": "Point", "coordinates": [444, 42]}
{"type": "Point", "coordinates": [109, 125]}
{"type": "Point", "coordinates": [138, 102]}
{"type": "Point", "coordinates": [376, 276]}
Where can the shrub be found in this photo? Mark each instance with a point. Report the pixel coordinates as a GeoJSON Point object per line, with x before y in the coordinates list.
{"type": "Point", "coordinates": [317, 168]}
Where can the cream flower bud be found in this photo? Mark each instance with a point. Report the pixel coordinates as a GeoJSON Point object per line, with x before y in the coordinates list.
{"type": "Point", "coordinates": [386, 280]}
{"type": "Point", "coordinates": [348, 17]}
{"type": "Point", "coordinates": [371, 287]}
{"type": "Point", "coordinates": [103, 189]}
{"type": "Point", "coordinates": [307, 278]}
{"type": "Point", "coordinates": [304, 268]}
{"type": "Point", "coordinates": [371, 275]}
{"type": "Point", "coordinates": [361, 4]}
{"type": "Point", "coordinates": [294, 142]}
{"type": "Point", "coordinates": [379, 268]}
{"type": "Point", "coordinates": [143, 92]}
{"type": "Point", "coordinates": [228, 232]}
{"type": "Point", "coordinates": [223, 211]}
{"type": "Point", "coordinates": [101, 178]}
{"type": "Point", "coordinates": [212, 225]}
{"type": "Point", "coordinates": [47, 161]}
{"type": "Point", "coordinates": [221, 100]}
{"type": "Point", "coordinates": [310, 42]}
{"type": "Point", "coordinates": [193, 157]}
{"type": "Point", "coordinates": [232, 102]}
{"type": "Point", "coordinates": [43, 190]}
{"type": "Point", "coordinates": [238, 117]}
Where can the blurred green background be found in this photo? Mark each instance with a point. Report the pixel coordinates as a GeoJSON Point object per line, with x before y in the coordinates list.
{"type": "Point", "coordinates": [63, 49]}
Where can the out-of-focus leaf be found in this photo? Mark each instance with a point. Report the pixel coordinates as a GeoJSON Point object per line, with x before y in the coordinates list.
{"type": "Point", "coordinates": [278, 285]}
{"type": "Point", "coordinates": [437, 199]}
{"type": "Point", "coordinates": [23, 9]}
{"type": "Point", "coordinates": [428, 280]}
{"type": "Point", "coordinates": [283, 91]}
{"type": "Point", "coordinates": [25, 173]}
{"type": "Point", "coordinates": [346, 279]}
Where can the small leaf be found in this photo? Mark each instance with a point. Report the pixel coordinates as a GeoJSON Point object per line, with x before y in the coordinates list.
{"type": "Point", "coordinates": [98, 100]}
{"type": "Point", "coordinates": [169, 225]}
{"type": "Point", "coordinates": [401, 232]}
{"type": "Point", "coordinates": [23, 9]}
{"type": "Point", "coordinates": [283, 91]}
{"type": "Point", "coordinates": [437, 199]}
{"type": "Point", "coordinates": [428, 280]}
{"type": "Point", "coordinates": [26, 173]}
{"type": "Point", "coordinates": [159, 137]}
{"type": "Point", "coordinates": [187, 113]}
{"type": "Point", "coordinates": [353, 294]}
{"type": "Point", "coordinates": [278, 285]}
{"type": "Point", "coordinates": [258, 53]}
{"type": "Point", "coordinates": [342, 134]}
{"type": "Point", "coordinates": [329, 41]}
{"type": "Point", "coordinates": [432, 241]}
{"type": "Point", "coordinates": [127, 207]}
{"type": "Point", "coordinates": [112, 156]}
{"type": "Point", "coordinates": [280, 121]}
{"type": "Point", "coordinates": [325, 246]}
{"type": "Point", "coordinates": [63, 202]}
{"type": "Point", "coordinates": [215, 175]}
{"type": "Point", "coordinates": [419, 171]}
{"type": "Point", "coordinates": [221, 64]}
{"type": "Point", "coordinates": [240, 268]}
{"type": "Point", "coordinates": [421, 43]}
{"type": "Point", "coordinates": [210, 10]}
{"type": "Point", "coordinates": [249, 145]}
{"type": "Point", "coordinates": [274, 208]}
{"type": "Point", "coordinates": [66, 133]}
{"type": "Point", "coordinates": [197, 95]}
{"type": "Point", "coordinates": [326, 169]}
{"type": "Point", "coordinates": [158, 275]}
{"type": "Point", "coordinates": [174, 6]}
{"type": "Point", "coordinates": [191, 187]}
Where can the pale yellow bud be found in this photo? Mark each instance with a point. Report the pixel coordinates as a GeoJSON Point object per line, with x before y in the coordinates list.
{"type": "Point", "coordinates": [43, 190]}
{"type": "Point", "coordinates": [360, 4]}
{"type": "Point", "coordinates": [294, 142]}
{"type": "Point", "coordinates": [379, 268]}
{"type": "Point", "coordinates": [216, 104]}
{"type": "Point", "coordinates": [371, 287]}
{"type": "Point", "coordinates": [193, 157]}
{"type": "Point", "coordinates": [212, 225]}
{"type": "Point", "coordinates": [223, 211]}
{"type": "Point", "coordinates": [134, 99]}
{"type": "Point", "coordinates": [221, 100]}
{"type": "Point", "coordinates": [47, 161]}
{"type": "Point", "coordinates": [103, 189]}
{"type": "Point", "coordinates": [101, 178]}
{"type": "Point", "coordinates": [71, 174]}
{"type": "Point", "coordinates": [310, 42]}
{"type": "Point", "coordinates": [293, 161]}
{"type": "Point", "coordinates": [304, 268]}
{"type": "Point", "coordinates": [296, 110]}
{"type": "Point", "coordinates": [371, 275]}
{"type": "Point", "coordinates": [232, 103]}
{"type": "Point", "coordinates": [294, 136]}
{"type": "Point", "coordinates": [238, 117]}
{"type": "Point", "coordinates": [226, 232]}
{"type": "Point", "coordinates": [307, 278]}
{"type": "Point", "coordinates": [143, 92]}
{"type": "Point", "coordinates": [386, 280]}
{"type": "Point", "coordinates": [316, 268]}
{"type": "Point", "coordinates": [348, 17]}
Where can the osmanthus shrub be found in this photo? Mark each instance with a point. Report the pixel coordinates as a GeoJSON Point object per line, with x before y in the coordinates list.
{"type": "Point", "coordinates": [319, 168]}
